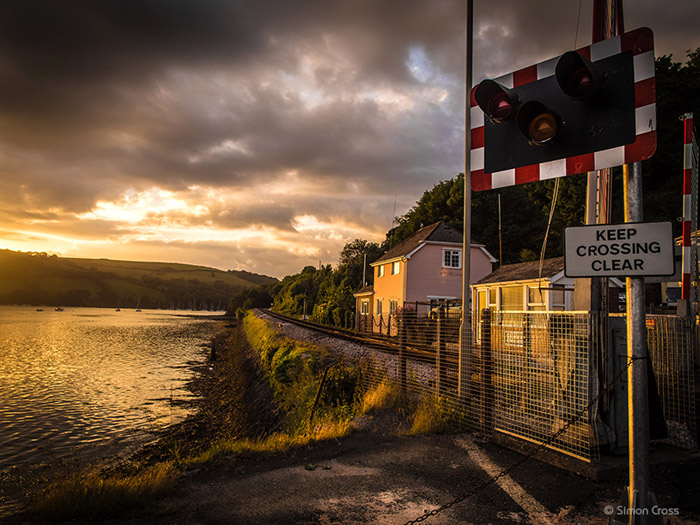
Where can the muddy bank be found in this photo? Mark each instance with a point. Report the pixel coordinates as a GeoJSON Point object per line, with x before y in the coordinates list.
{"type": "Point", "coordinates": [234, 401]}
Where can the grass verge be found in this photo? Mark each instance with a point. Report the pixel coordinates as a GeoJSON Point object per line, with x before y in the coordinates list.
{"type": "Point", "coordinates": [96, 496]}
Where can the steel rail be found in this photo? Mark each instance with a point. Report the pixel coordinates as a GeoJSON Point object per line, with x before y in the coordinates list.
{"type": "Point", "coordinates": [356, 337]}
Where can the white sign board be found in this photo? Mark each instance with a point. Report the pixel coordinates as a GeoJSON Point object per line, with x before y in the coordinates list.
{"type": "Point", "coordinates": [619, 250]}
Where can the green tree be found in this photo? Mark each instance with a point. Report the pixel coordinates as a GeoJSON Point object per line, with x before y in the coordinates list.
{"type": "Point", "coordinates": [677, 89]}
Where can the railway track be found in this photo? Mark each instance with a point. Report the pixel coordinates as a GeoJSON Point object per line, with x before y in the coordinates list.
{"type": "Point", "coordinates": [372, 341]}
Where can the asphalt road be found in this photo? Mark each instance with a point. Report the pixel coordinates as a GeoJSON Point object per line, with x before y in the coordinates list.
{"type": "Point", "coordinates": [369, 478]}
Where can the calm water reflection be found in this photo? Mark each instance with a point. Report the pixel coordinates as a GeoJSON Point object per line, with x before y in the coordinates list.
{"type": "Point", "coordinates": [82, 377]}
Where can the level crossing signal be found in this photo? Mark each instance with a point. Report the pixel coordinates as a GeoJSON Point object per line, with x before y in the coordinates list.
{"type": "Point", "coordinates": [585, 110]}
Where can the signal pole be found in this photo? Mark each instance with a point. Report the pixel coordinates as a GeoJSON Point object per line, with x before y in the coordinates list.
{"type": "Point", "coordinates": [465, 333]}
{"type": "Point", "coordinates": [639, 496]}
{"type": "Point", "coordinates": [638, 492]}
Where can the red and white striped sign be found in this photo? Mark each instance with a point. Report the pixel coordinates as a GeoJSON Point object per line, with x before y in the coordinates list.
{"type": "Point", "coordinates": [641, 43]}
{"type": "Point", "coordinates": [687, 202]}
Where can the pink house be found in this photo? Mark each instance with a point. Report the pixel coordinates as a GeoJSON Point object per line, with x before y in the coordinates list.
{"type": "Point", "coordinates": [425, 266]}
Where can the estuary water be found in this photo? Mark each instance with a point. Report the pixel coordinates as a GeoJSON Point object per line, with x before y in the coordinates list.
{"type": "Point", "coordinates": [77, 381]}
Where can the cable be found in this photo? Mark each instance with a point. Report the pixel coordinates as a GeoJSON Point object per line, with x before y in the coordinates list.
{"type": "Point", "coordinates": [553, 206]}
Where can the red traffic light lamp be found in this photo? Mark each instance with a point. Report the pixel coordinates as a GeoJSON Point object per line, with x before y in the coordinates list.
{"type": "Point", "coordinates": [500, 104]}
{"type": "Point", "coordinates": [577, 76]}
{"type": "Point", "coordinates": [496, 101]}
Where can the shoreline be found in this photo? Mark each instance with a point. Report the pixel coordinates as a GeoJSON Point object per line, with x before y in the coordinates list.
{"type": "Point", "coordinates": [22, 484]}
{"type": "Point", "coordinates": [233, 400]}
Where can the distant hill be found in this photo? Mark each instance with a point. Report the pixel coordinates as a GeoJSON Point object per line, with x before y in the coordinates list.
{"type": "Point", "coordinates": [41, 279]}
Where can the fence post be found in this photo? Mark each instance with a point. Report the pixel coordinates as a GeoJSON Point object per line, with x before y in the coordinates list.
{"type": "Point", "coordinates": [440, 370]}
{"type": "Point", "coordinates": [487, 395]}
{"type": "Point", "coordinates": [527, 351]}
{"type": "Point", "coordinates": [402, 354]}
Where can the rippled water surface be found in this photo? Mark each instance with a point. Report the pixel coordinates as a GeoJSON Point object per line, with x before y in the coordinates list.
{"type": "Point", "coordinates": [73, 380]}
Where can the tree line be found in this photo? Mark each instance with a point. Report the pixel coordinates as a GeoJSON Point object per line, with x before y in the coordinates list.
{"type": "Point", "coordinates": [37, 278]}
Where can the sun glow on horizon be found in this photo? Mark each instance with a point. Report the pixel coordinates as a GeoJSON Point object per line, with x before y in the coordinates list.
{"type": "Point", "coordinates": [243, 228]}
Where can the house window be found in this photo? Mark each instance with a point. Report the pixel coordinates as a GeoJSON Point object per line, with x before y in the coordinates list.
{"type": "Point", "coordinates": [512, 298]}
{"type": "Point", "coordinates": [395, 267]}
{"type": "Point", "coordinates": [536, 298]}
{"type": "Point", "coordinates": [558, 298]}
{"type": "Point", "coordinates": [380, 271]}
{"type": "Point", "coordinates": [393, 306]}
{"type": "Point", "coordinates": [379, 307]}
{"type": "Point", "coordinates": [451, 258]}
{"type": "Point", "coordinates": [493, 298]}
{"type": "Point", "coordinates": [364, 306]}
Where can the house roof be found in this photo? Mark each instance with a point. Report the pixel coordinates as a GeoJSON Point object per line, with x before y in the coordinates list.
{"type": "Point", "coordinates": [365, 290]}
{"type": "Point", "coordinates": [524, 271]}
{"type": "Point", "coordinates": [437, 232]}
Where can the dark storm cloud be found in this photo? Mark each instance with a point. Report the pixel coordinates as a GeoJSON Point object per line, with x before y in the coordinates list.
{"type": "Point", "coordinates": [69, 51]}
{"type": "Point", "coordinates": [362, 100]}
{"type": "Point", "coordinates": [84, 78]}
{"type": "Point", "coordinates": [512, 34]}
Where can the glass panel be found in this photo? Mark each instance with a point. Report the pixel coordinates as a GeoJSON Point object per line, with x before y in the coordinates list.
{"type": "Point", "coordinates": [536, 295]}
{"type": "Point", "coordinates": [558, 297]}
{"type": "Point", "coordinates": [493, 294]}
{"type": "Point", "coordinates": [512, 298]}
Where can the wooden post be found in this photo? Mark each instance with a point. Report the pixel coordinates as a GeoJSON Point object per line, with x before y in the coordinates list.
{"type": "Point", "coordinates": [527, 351]}
{"type": "Point", "coordinates": [402, 356]}
{"type": "Point", "coordinates": [318, 395]}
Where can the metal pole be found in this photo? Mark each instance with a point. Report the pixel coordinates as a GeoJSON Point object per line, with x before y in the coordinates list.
{"type": "Point", "coordinates": [687, 192]}
{"type": "Point", "coordinates": [364, 270]}
{"type": "Point", "coordinates": [465, 332]}
{"type": "Point", "coordinates": [638, 407]}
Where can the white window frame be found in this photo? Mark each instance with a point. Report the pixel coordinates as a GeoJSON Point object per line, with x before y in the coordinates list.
{"type": "Point", "coordinates": [380, 270]}
{"type": "Point", "coordinates": [452, 252]}
{"type": "Point", "coordinates": [395, 267]}
{"type": "Point", "coordinates": [543, 295]}
{"type": "Point", "coordinates": [379, 307]}
{"type": "Point", "coordinates": [364, 306]}
{"type": "Point", "coordinates": [393, 306]}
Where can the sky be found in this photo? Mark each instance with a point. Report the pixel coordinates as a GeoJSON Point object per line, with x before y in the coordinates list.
{"type": "Point", "coordinates": [260, 135]}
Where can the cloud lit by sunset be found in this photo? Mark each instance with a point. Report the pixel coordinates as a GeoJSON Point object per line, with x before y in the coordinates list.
{"type": "Point", "coordinates": [259, 135]}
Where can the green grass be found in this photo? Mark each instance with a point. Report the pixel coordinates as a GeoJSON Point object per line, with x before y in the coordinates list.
{"type": "Point", "coordinates": [294, 370]}
{"type": "Point", "coordinates": [94, 495]}
{"type": "Point", "coordinates": [432, 415]}
{"type": "Point", "coordinates": [386, 395]}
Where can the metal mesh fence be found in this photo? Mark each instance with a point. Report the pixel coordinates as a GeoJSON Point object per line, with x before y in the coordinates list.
{"type": "Point", "coordinates": [526, 374]}
{"type": "Point", "coordinates": [541, 377]}
{"type": "Point", "coordinates": [672, 349]}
